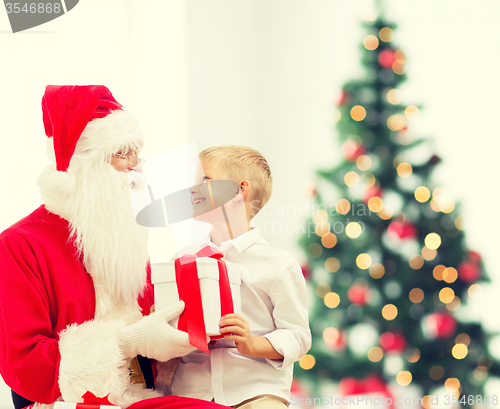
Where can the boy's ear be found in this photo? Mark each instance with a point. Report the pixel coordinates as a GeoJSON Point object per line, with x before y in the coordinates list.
{"type": "Point", "coordinates": [245, 186]}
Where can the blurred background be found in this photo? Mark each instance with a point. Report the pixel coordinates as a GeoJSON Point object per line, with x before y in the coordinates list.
{"type": "Point", "coordinates": [267, 74]}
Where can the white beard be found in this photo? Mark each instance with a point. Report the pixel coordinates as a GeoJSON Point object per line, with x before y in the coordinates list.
{"type": "Point", "coordinates": [94, 198]}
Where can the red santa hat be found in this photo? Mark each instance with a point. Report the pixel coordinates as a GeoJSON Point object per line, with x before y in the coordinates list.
{"type": "Point", "coordinates": [68, 109]}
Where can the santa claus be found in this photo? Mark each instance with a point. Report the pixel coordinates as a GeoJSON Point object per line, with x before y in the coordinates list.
{"type": "Point", "coordinates": [75, 288]}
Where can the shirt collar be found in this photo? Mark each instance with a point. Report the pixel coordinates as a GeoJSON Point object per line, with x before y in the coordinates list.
{"type": "Point", "coordinates": [242, 242]}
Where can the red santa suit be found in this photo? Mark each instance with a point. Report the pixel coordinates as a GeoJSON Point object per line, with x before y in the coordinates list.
{"type": "Point", "coordinates": [63, 314]}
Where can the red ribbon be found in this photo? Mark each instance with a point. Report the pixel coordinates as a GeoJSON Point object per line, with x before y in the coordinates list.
{"type": "Point", "coordinates": [370, 384]}
{"type": "Point", "coordinates": [188, 286]}
{"type": "Point", "coordinates": [90, 400]}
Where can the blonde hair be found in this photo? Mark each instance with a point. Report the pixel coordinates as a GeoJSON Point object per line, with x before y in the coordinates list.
{"type": "Point", "coordinates": [243, 163]}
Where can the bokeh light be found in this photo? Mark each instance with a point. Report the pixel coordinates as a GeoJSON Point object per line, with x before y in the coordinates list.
{"type": "Point", "coordinates": [389, 312]}
{"type": "Point", "coordinates": [394, 96]}
{"type": "Point", "coordinates": [459, 351]}
{"type": "Point", "coordinates": [450, 275]}
{"type": "Point", "coordinates": [320, 216]}
{"type": "Point", "coordinates": [364, 261]}
{"type": "Point", "coordinates": [375, 204]}
{"type": "Point", "coordinates": [375, 354]}
{"type": "Point", "coordinates": [436, 372]}
{"type": "Point", "coordinates": [386, 34]}
{"type": "Point", "coordinates": [412, 113]}
{"type": "Point", "coordinates": [323, 289]}
{"type": "Point", "coordinates": [396, 122]}
{"type": "Point", "coordinates": [358, 113]}
{"type": "Point", "coordinates": [386, 213]}
{"type": "Point", "coordinates": [403, 378]}
{"type": "Point", "coordinates": [398, 67]}
{"type": "Point", "coordinates": [377, 270]}
{"type": "Point", "coordinates": [475, 291]}
{"type": "Point", "coordinates": [459, 222]}
{"type": "Point", "coordinates": [322, 228]}
{"type": "Point", "coordinates": [452, 384]}
{"type": "Point", "coordinates": [454, 305]}
{"type": "Point", "coordinates": [353, 230]}
{"type": "Point", "coordinates": [438, 272]}
{"type": "Point", "coordinates": [336, 115]}
{"type": "Point", "coordinates": [404, 170]}
{"type": "Point", "coordinates": [343, 206]}
{"type": "Point", "coordinates": [368, 179]}
{"type": "Point", "coordinates": [370, 42]}
{"type": "Point", "coordinates": [351, 179]}
{"type": "Point", "coordinates": [416, 261]}
{"type": "Point", "coordinates": [416, 295]}
{"type": "Point", "coordinates": [446, 295]}
{"type": "Point", "coordinates": [332, 300]}
{"type": "Point", "coordinates": [422, 194]}
{"type": "Point", "coordinates": [428, 254]}
{"type": "Point", "coordinates": [307, 362]}
{"type": "Point", "coordinates": [462, 339]}
{"type": "Point", "coordinates": [329, 240]}
{"type": "Point", "coordinates": [412, 355]}
{"type": "Point", "coordinates": [433, 241]}
{"type": "Point", "coordinates": [315, 250]}
{"type": "Point", "coordinates": [364, 162]}
{"type": "Point", "coordinates": [332, 264]}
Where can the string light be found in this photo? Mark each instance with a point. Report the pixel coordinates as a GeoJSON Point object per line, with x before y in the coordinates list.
{"type": "Point", "coordinates": [480, 374]}
{"type": "Point", "coordinates": [403, 378]}
{"type": "Point", "coordinates": [358, 113]}
{"type": "Point", "coordinates": [307, 362]}
{"type": "Point", "coordinates": [322, 229]}
{"type": "Point", "coordinates": [462, 339]}
{"type": "Point", "coordinates": [438, 272]}
{"type": "Point", "coordinates": [475, 291]}
{"type": "Point", "coordinates": [376, 270]}
{"type": "Point", "coordinates": [459, 222]}
{"type": "Point", "coordinates": [396, 122]}
{"type": "Point", "coordinates": [315, 250]}
{"type": "Point", "coordinates": [375, 354]}
{"type": "Point", "coordinates": [450, 275]}
{"type": "Point", "coordinates": [446, 295]}
{"type": "Point", "coordinates": [389, 312]}
{"type": "Point", "coordinates": [331, 335]}
{"type": "Point", "coordinates": [436, 372]}
{"type": "Point", "coordinates": [351, 179]}
{"type": "Point", "coordinates": [386, 213]}
{"type": "Point", "coordinates": [353, 230]}
{"type": "Point", "coordinates": [375, 204]}
{"type": "Point", "coordinates": [386, 34]}
{"type": "Point", "coordinates": [343, 206]}
{"type": "Point", "coordinates": [398, 67]}
{"type": "Point", "coordinates": [433, 241]}
{"type": "Point", "coordinates": [416, 295]}
{"type": "Point", "coordinates": [323, 289]}
{"type": "Point", "coordinates": [332, 300]}
{"type": "Point", "coordinates": [332, 264]}
{"type": "Point", "coordinates": [412, 355]}
{"type": "Point", "coordinates": [404, 170]}
{"type": "Point", "coordinates": [370, 16]}
{"type": "Point", "coordinates": [320, 216]}
{"type": "Point", "coordinates": [454, 305]}
{"type": "Point", "coordinates": [412, 113]}
{"type": "Point", "coordinates": [370, 42]}
{"type": "Point", "coordinates": [369, 179]}
{"type": "Point", "coordinates": [416, 261]}
{"type": "Point", "coordinates": [459, 351]}
{"type": "Point", "coordinates": [364, 261]}
{"type": "Point", "coordinates": [329, 240]}
{"type": "Point", "coordinates": [422, 194]}
{"type": "Point", "coordinates": [394, 96]}
{"type": "Point", "coordinates": [364, 162]}
{"type": "Point", "coordinates": [452, 384]}
{"type": "Point", "coordinates": [428, 254]}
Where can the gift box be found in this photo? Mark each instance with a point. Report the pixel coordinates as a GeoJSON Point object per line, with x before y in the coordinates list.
{"type": "Point", "coordinates": [163, 276]}
{"type": "Point", "coordinates": [69, 405]}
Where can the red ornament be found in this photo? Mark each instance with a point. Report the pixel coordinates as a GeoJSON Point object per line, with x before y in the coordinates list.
{"type": "Point", "coordinates": [392, 342]}
{"type": "Point", "coordinates": [344, 98]}
{"type": "Point", "coordinates": [371, 385]}
{"type": "Point", "coordinates": [306, 271]}
{"type": "Point", "coordinates": [468, 271]}
{"type": "Point", "coordinates": [474, 256]}
{"type": "Point", "coordinates": [440, 325]}
{"type": "Point", "coordinates": [358, 294]}
{"type": "Point", "coordinates": [402, 230]}
{"type": "Point", "coordinates": [386, 58]}
{"type": "Point", "coordinates": [374, 191]}
{"type": "Point", "coordinates": [352, 150]}
{"type": "Point", "coordinates": [335, 339]}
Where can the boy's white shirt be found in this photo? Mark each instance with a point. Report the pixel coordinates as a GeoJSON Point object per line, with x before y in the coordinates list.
{"type": "Point", "coordinates": [273, 300]}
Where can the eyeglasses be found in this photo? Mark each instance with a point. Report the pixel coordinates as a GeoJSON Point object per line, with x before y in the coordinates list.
{"type": "Point", "coordinates": [131, 157]}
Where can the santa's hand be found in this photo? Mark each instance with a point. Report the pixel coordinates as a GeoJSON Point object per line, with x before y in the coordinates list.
{"type": "Point", "coordinates": [153, 337]}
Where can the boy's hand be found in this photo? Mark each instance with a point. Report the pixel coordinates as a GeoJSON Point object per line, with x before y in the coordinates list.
{"type": "Point", "coordinates": [237, 329]}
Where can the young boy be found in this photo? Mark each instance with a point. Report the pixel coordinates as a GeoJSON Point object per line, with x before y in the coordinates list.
{"type": "Point", "coordinates": [252, 366]}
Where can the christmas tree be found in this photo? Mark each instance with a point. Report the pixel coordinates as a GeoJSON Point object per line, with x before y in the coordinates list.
{"type": "Point", "coordinates": [387, 260]}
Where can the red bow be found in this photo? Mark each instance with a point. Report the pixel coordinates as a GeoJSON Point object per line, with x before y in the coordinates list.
{"type": "Point", "coordinates": [188, 286]}
{"type": "Point", "coordinates": [90, 398]}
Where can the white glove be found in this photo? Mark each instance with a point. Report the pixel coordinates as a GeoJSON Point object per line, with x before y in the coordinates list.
{"type": "Point", "coordinates": [153, 337]}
